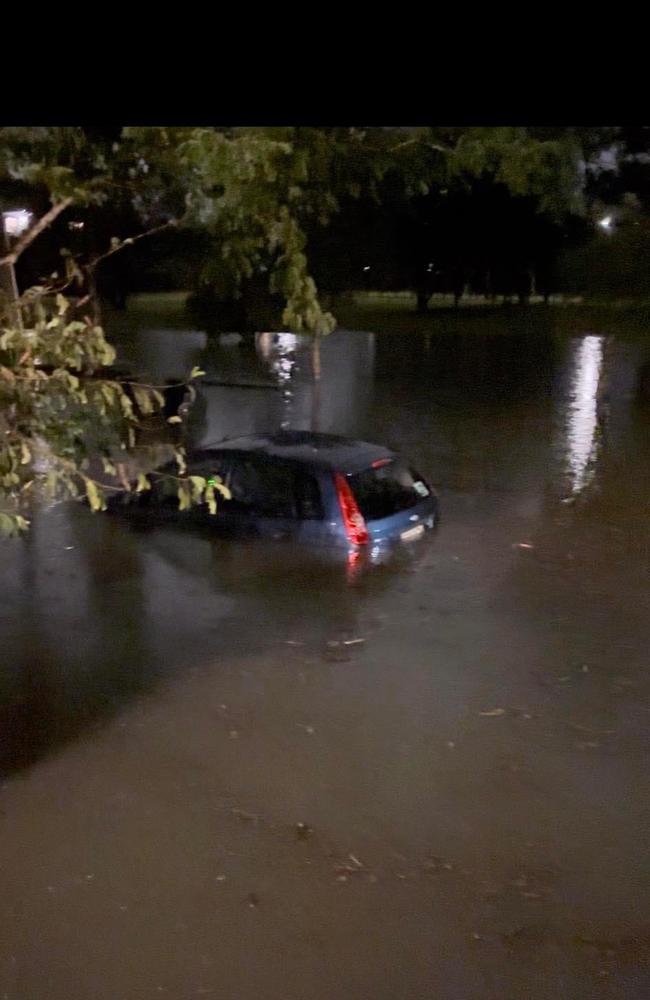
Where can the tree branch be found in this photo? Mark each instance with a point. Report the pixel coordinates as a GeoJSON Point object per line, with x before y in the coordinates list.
{"type": "Point", "coordinates": [129, 241]}
{"type": "Point", "coordinates": [423, 142]}
{"type": "Point", "coordinates": [35, 231]}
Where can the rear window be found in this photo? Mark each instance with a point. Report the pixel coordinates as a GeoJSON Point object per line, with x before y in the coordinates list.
{"type": "Point", "coordinates": [386, 490]}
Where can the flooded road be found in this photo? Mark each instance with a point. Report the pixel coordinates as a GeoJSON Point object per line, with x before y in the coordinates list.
{"type": "Point", "coordinates": [229, 773]}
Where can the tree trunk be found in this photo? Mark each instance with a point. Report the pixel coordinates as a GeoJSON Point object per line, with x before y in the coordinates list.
{"type": "Point", "coordinates": [315, 407]}
{"type": "Point", "coordinates": [93, 295]}
{"type": "Point", "coordinates": [8, 286]}
{"type": "Point", "coordinates": [315, 358]}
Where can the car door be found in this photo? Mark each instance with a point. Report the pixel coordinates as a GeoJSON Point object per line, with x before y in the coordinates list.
{"type": "Point", "coordinates": [263, 495]}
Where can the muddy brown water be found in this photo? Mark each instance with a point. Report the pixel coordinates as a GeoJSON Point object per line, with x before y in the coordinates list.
{"type": "Point", "coordinates": [229, 773]}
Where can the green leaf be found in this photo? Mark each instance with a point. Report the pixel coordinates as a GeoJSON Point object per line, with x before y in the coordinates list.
{"type": "Point", "coordinates": [184, 498]}
{"type": "Point", "coordinates": [108, 354]}
{"type": "Point", "coordinates": [94, 498]}
{"type": "Point", "coordinates": [174, 420]}
{"type": "Point", "coordinates": [196, 372]}
{"type": "Point", "coordinates": [179, 455]}
{"type": "Point", "coordinates": [143, 483]}
{"type": "Point", "coordinates": [8, 525]}
{"type": "Point", "coordinates": [109, 468]}
{"type": "Point", "coordinates": [217, 483]}
{"type": "Point", "coordinates": [198, 487]}
{"type": "Point", "coordinates": [143, 399]}
{"type": "Point", "coordinates": [127, 406]}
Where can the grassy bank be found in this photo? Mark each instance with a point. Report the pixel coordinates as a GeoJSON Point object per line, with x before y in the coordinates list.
{"type": "Point", "coordinates": [395, 313]}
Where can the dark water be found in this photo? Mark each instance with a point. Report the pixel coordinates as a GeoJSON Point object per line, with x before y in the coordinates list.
{"type": "Point", "coordinates": [472, 775]}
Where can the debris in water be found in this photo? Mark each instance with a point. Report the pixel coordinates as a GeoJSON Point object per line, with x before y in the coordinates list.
{"type": "Point", "coordinates": [253, 900]}
{"type": "Point", "coordinates": [303, 831]}
{"type": "Point", "coordinates": [493, 712]}
{"type": "Point", "coordinates": [336, 643]}
{"type": "Point", "coordinates": [594, 732]}
{"type": "Point", "coordinates": [345, 869]}
{"type": "Point", "coordinates": [244, 816]}
{"type": "Point", "coordinates": [523, 545]}
{"type": "Point", "coordinates": [436, 864]}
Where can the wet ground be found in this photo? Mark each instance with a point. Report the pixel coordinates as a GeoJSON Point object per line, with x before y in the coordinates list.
{"type": "Point", "coordinates": [230, 773]}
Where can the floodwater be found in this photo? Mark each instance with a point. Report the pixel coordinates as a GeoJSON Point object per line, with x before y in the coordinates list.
{"type": "Point", "coordinates": [231, 773]}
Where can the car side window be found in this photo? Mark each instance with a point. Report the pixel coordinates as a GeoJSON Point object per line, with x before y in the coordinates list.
{"type": "Point", "coordinates": [165, 489]}
{"type": "Point", "coordinates": [262, 488]}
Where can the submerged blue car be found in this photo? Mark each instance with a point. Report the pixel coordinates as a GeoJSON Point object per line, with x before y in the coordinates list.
{"type": "Point", "coordinates": [318, 490]}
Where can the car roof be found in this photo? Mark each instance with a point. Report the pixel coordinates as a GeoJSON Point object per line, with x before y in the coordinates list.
{"type": "Point", "coordinates": [326, 451]}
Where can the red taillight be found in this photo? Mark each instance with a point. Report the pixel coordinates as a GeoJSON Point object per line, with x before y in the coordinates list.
{"type": "Point", "coordinates": [355, 526]}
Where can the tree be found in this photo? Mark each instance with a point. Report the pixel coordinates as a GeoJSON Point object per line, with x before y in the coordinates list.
{"type": "Point", "coordinates": [254, 192]}
{"type": "Point", "coordinates": [470, 206]}
{"type": "Point", "coordinates": [66, 430]}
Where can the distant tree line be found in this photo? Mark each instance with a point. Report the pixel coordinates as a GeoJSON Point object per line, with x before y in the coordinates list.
{"type": "Point", "coordinates": [255, 221]}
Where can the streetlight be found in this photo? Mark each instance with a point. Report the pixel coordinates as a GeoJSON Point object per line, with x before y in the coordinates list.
{"type": "Point", "coordinates": [17, 221]}
{"type": "Point", "coordinates": [13, 224]}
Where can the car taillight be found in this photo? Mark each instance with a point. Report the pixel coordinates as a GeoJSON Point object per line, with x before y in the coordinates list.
{"type": "Point", "coordinates": [355, 526]}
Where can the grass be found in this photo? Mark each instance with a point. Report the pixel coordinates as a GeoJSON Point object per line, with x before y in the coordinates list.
{"type": "Point", "coordinates": [395, 313]}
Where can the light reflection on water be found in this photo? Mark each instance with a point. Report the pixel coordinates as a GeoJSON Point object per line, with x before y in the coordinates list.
{"type": "Point", "coordinates": [582, 411]}
{"type": "Point", "coordinates": [279, 351]}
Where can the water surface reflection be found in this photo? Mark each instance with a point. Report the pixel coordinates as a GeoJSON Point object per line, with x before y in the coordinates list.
{"type": "Point", "coordinates": [175, 705]}
{"type": "Point", "coordinates": [582, 410]}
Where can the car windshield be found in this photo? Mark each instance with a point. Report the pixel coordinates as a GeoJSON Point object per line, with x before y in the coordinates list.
{"type": "Point", "coordinates": [387, 488]}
